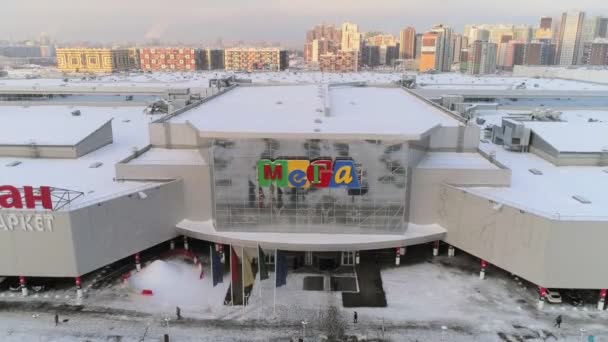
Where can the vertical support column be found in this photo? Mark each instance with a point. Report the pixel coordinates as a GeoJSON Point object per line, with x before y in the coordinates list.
{"type": "Point", "coordinates": [403, 250]}
{"type": "Point", "coordinates": [137, 262]}
{"type": "Point", "coordinates": [602, 301]}
{"type": "Point", "coordinates": [482, 273]}
{"type": "Point", "coordinates": [172, 244]}
{"type": "Point", "coordinates": [451, 251]}
{"type": "Point", "coordinates": [23, 285]}
{"type": "Point", "coordinates": [79, 293]}
{"type": "Point", "coordinates": [541, 300]}
{"type": "Point", "coordinates": [436, 248]}
{"type": "Point", "coordinates": [357, 258]}
{"type": "Point", "coordinates": [186, 246]}
{"type": "Point", "coordinates": [397, 256]}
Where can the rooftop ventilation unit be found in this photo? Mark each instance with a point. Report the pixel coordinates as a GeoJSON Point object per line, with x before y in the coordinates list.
{"type": "Point", "coordinates": [317, 130]}
{"type": "Point", "coordinates": [318, 121]}
{"type": "Point", "coordinates": [13, 163]}
{"type": "Point", "coordinates": [95, 165]}
{"type": "Point", "coordinates": [535, 172]}
{"type": "Point", "coordinates": [76, 112]}
{"type": "Point", "coordinates": [581, 199]}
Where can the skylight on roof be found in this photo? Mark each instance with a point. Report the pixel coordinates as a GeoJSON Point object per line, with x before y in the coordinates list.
{"type": "Point", "coordinates": [13, 163]}
{"type": "Point", "coordinates": [581, 199]}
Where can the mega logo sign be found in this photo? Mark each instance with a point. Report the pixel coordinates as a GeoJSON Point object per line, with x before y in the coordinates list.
{"type": "Point", "coordinates": [301, 173]}
{"type": "Point", "coordinates": [14, 198]}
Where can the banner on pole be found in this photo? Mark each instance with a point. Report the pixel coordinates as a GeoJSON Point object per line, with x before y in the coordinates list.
{"type": "Point", "coordinates": [263, 265]}
{"type": "Point", "coordinates": [281, 268]}
{"type": "Point", "coordinates": [217, 268]}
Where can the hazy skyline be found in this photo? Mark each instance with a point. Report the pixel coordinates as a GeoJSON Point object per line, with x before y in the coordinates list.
{"type": "Point", "coordinates": [204, 21]}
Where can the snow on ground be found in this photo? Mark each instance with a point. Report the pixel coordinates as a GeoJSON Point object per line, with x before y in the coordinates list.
{"type": "Point", "coordinates": [176, 283]}
{"type": "Point", "coordinates": [460, 81]}
{"type": "Point", "coordinates": [423, 294]}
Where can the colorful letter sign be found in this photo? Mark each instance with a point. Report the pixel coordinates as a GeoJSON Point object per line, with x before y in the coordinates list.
{"type": "Point", "coordinates": [11, 197]}
{"type": "Point", "coordinates": [301, 173]}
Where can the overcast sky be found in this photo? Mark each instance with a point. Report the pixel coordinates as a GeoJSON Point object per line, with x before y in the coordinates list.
{"type": "Point", "coordinates": [285, 21]}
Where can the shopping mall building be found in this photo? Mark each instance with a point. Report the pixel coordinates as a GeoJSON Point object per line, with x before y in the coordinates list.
{"type": "Point", "coordinates": [308, 167]}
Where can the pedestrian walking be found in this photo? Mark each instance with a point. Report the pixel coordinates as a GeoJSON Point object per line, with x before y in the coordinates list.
{"type": "Point", "coordinates": [178, 313]}
{"type": "Point", "coordinates": [355, 317]}
{"type": "Point", "coordinates": [558, 321]}
{"type": "Point", "coordinates": [56, 319]}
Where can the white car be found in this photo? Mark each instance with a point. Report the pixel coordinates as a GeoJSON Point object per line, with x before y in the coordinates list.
{"type": "Point", "coordinates": [553, 297]}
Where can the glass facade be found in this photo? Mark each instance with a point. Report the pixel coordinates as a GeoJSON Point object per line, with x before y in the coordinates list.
{"type": "Point", "coordinates": [242, 203]}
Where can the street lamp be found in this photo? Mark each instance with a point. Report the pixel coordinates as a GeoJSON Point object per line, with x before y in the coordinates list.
{"type": "Point", "coordinates": [443, 332]}
{"type": "Point", "coordinates": [304, 322]}
{"type": "Point", "coordinates": [582, 330]}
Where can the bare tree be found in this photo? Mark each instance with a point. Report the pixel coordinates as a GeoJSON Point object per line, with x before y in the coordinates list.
{"type": "Point", "coordinates": [333, 324]}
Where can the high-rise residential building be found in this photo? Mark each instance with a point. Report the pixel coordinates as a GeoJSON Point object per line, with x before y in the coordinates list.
{"type": "Point", "coordinates": [591, 30]}
{"type": "Point", "coordinates": [418, 45]}
{"type": "Point", "coordinates": [545, 28]}
{"type": "Point", "coordinates": [351, 37]}
{"type": "Point", "coordinates": [341, 61]}
{"type": "Point", "coordinates": [210, 59]}
{"type": "Point", "coordinates": [428, 51]}
{"type": "Point", "coordinates": [167, 59]}
{"type": "Point", "coordinates": [481, 58]}
{"type": "Point", "coordinates": [599, 52]}
{"type": "Point", "coordinates": [370, 56]}
{"type": "Point", "coordinates": [388, 47]}
{"type": "Point", "coordinates": [545, 23]}
{"type": "Point", "coordinates": [516, 53]}
{"type": "Point", "coordinates": [89, 60]}
{"type": "Point", "coordinates": [475, 33]}
{"type": "Point", "coordinates": [540, 52]}
{"type": "Point", "coordinates": [569, 42]}
{"type": "Point", "coordinates": [523, 33]}
{"type": "Point", "coordinates": [321, 39]}
{"type": "Point", "coordinates": [134, 59]}
{"type": "Point", "coordinates": [603, 31]}
{"type": "Point", "coordinates": [407, 43]}
{"type": "Point", "coordinates": [251, 59]}
{"type": "Point", "coordinates": [443, 56]}
{"type": "Point", "coordinates": [457, 44]}
{"type": "Point", "coordinates": [501, 51]}
{"type": "Point", "coordinates": [498, 31]}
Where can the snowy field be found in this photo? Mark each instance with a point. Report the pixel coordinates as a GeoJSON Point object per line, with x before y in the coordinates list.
{"type": "Point", "coordinates": [423, 294]}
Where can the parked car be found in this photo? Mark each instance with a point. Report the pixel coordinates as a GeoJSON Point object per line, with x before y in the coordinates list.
{"type": "Point", "coordinates": [553, 296]}
{"type": "Point", "coordinates": [573, 297]}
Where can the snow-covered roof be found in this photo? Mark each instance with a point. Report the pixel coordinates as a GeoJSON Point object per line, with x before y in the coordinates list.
{"type": "Point", "coordinates": [129, 125]}
{"type": "Point", "coordinates": [155, 156]}
{"type": "Point", "coordinates": [302, 111]}
{"type": "Point", "coordinates": [49, 125]}
{"type": "Point", "coordinates": [453, 160]}
{"type": "Point", "coordinates": [504, 82]}
{"type": "Point", "coordinates": [551, 193]}
{"type": "Point", "coordinates": [586, 137]}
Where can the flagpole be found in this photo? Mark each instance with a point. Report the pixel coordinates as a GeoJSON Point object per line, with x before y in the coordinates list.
{"type": "Point", "coordinates": [260, 279]}
{"type": "Point", "coordinates": [231, 277]}
{"type": "Point", "coordinates": [274, 303]}
{"type": "Point", "coordinates": [211, 262]}
{"type": "Point", "coordinates": [243, 276]}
